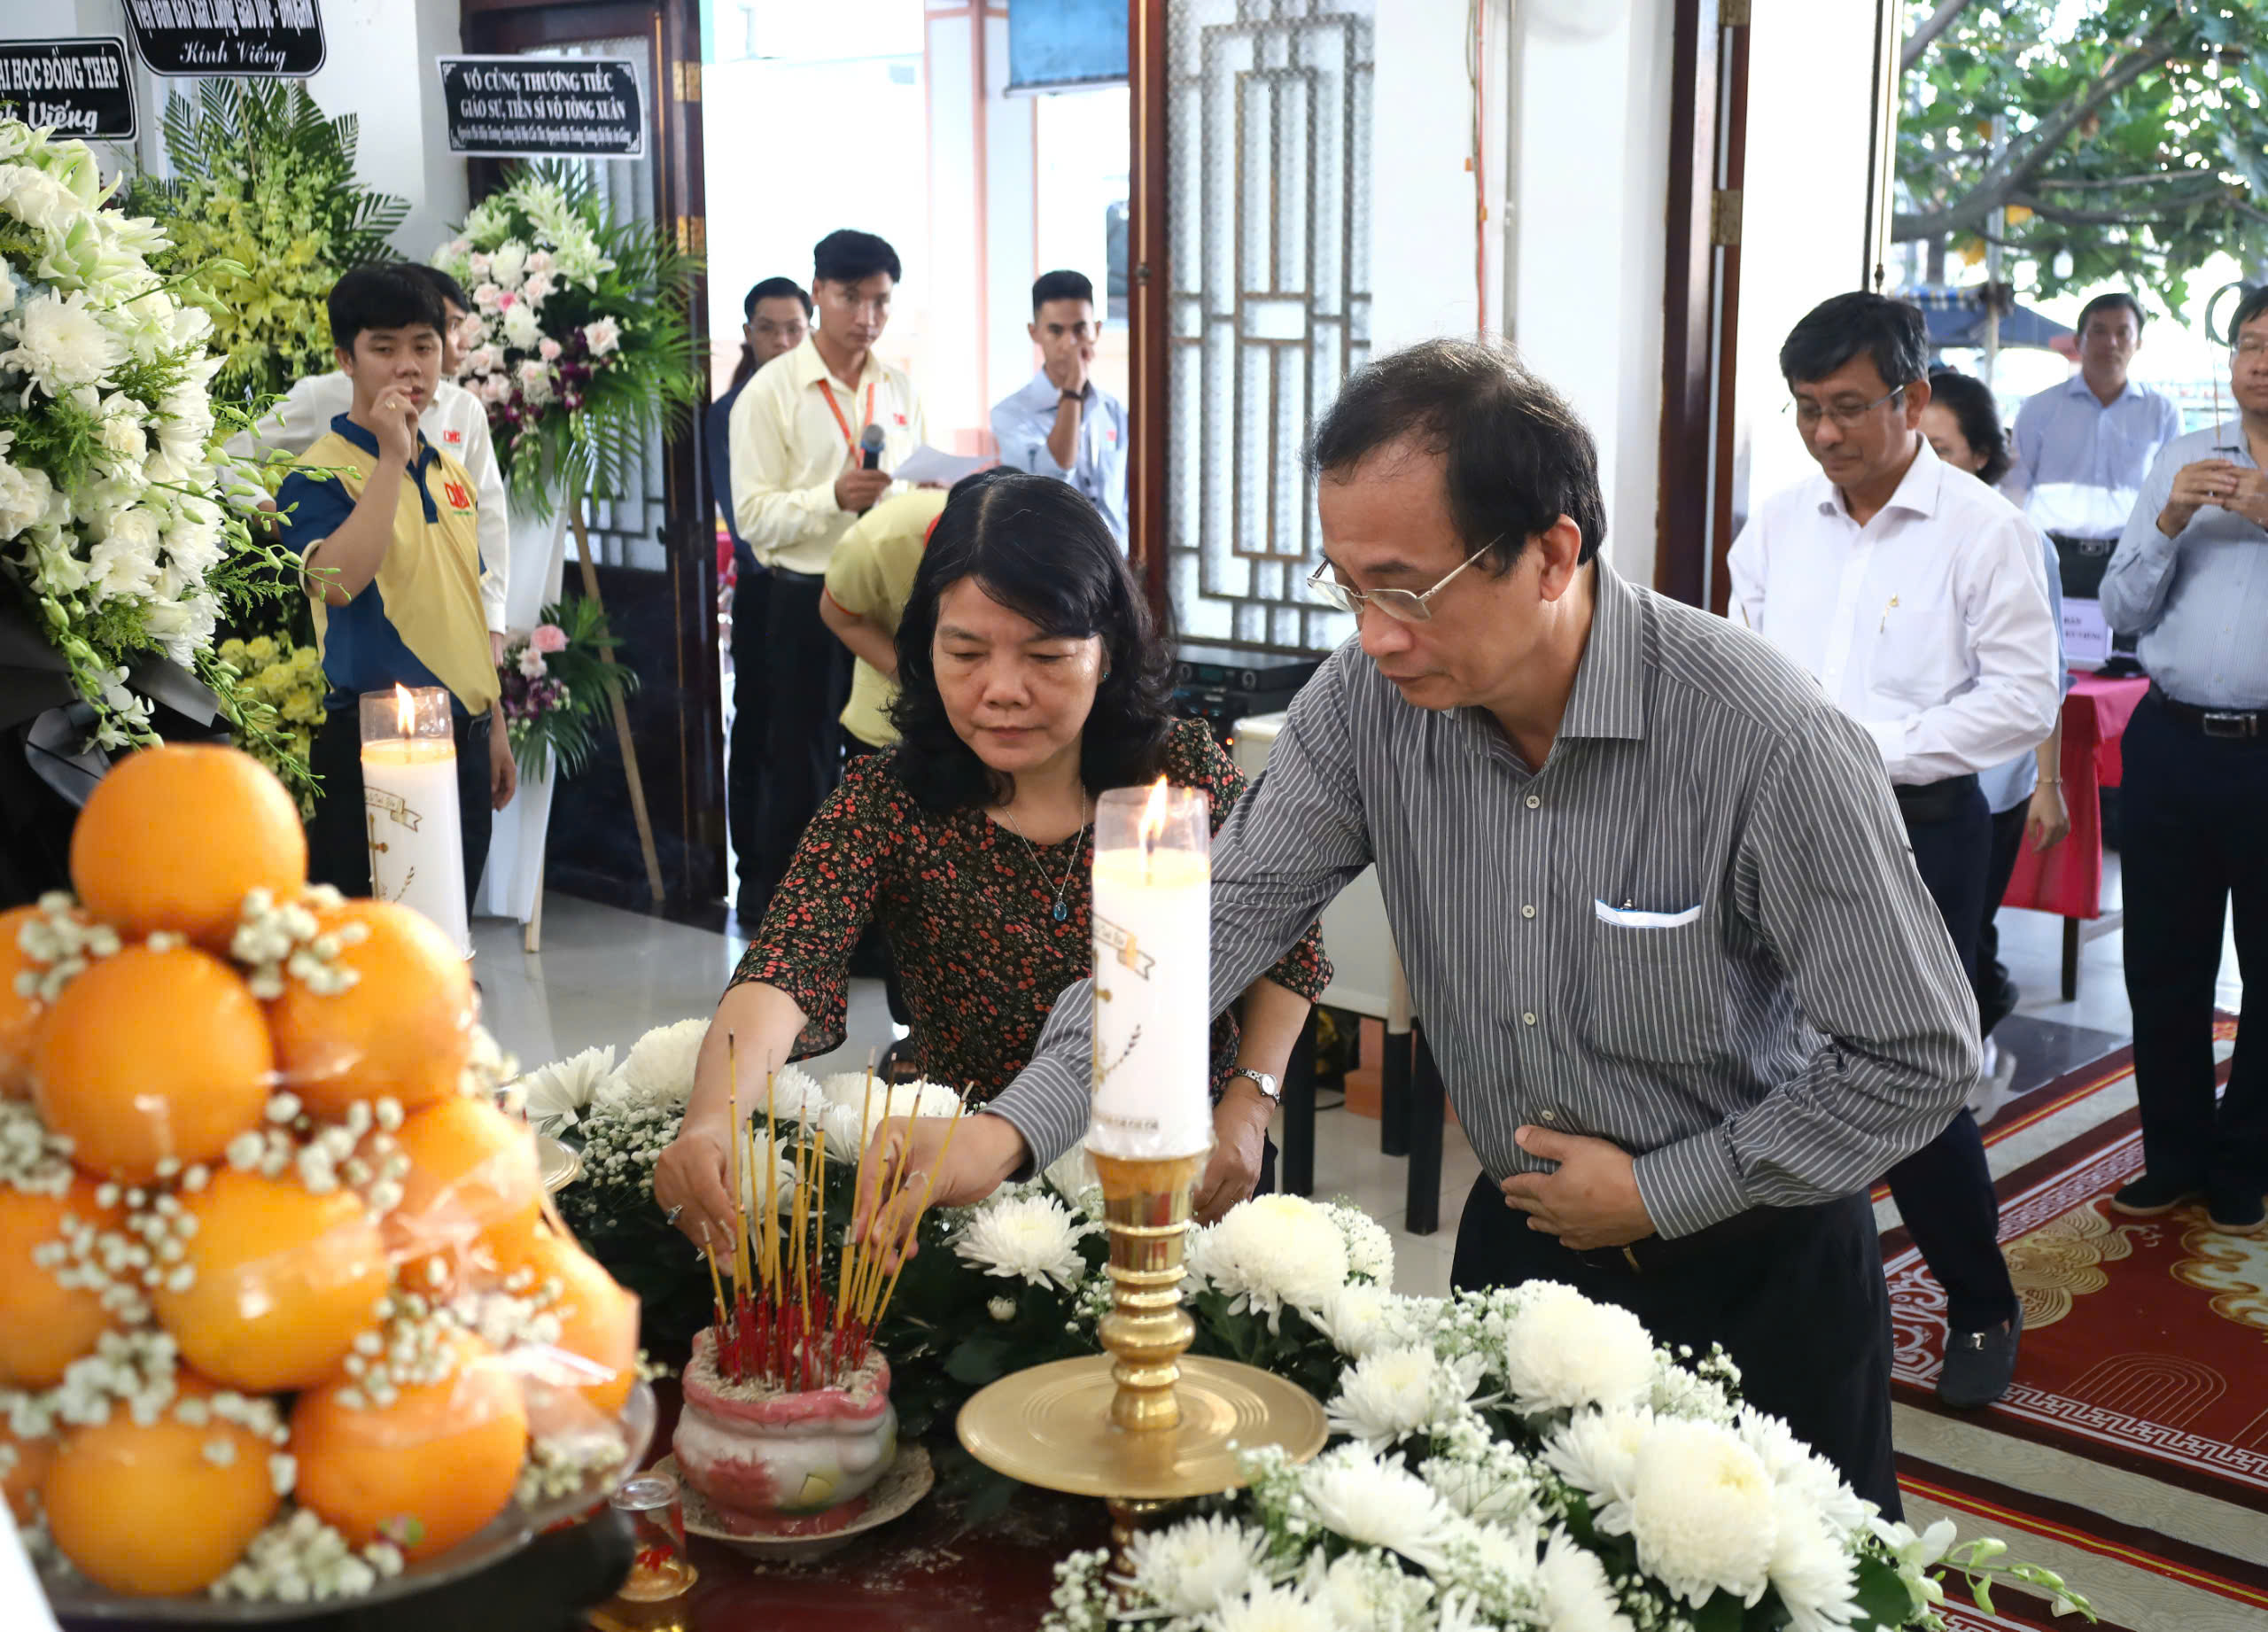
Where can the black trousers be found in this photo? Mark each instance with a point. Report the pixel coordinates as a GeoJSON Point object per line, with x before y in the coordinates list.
{"type": "Point", "coordinates": [806, 682]}
{"type": "Point", "coordinates": [744, 755]}
{"type": "Point", "coordinates": [1944, 1191]}
{"type": "Point", "coordinates": [1798, 1303]}
{"type": "Point", "coordinates": [2196, 810]}
{"type": "Point", "coordinates": [1995, 987]}
{"type": "Point", "coordinates": [338, 837]}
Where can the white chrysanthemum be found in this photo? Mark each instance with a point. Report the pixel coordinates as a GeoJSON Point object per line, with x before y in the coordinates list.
{"type": "Point", "coordinates": [1379, 1504]}
{"type": "Point", "coordinates": [563, 1090]}
{"type": "Point", "coordinates": [508, 262]}
{"type": "Point", "coordinates": [1370, 1248]}
{"type": "Point", "coordinates": [782, 1155]}
{"type": "Point", "coordinates": [25, 496]}
{"type": "Point", "coordinates": [62, 345]}
{"type": "Point", "coordinates": [1576, 1595]}
{"type": "Point", "coordinates": [520, 325]}
{"type": "Point", "coordinates": [1812, 1568]}
{"type": "Point", "coordinates": [1563, 1351]}
{"type": "Point", "coordinates": [1359, 1319]}
{"type": "Point", "coordinates": [1026, 1237]}
{"type": "Point", "coordinates": [1073, 1174]}
{"type": "Point", "coordinates": [658, 1069]}
{"type": "Point", "coordinates": [1402, 1390]}
{"type": "Point", "coordinates": [1794, 1466]}
{"type": "Point", "coordinates": [1192, 1567]}
{"type": "Point", "coordinates": [1271, 1251]}
{"type": "Point", "coordinates": [1702, 1512]}
{"type": "Point", "coordinates": [923, 1098]}
{"type": "Point", "coordinates": [1597, 1453]}
{"type": "Point", "coordinates": [1370, 1592]}
{"type": "Point", "coordinates": [1274, 1609]}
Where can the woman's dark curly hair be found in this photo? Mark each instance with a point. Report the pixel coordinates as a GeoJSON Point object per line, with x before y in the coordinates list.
{"type": "Point", "coordinates": [1969, 401]}
{"type": "Point", "coordinates": [1040, 548]}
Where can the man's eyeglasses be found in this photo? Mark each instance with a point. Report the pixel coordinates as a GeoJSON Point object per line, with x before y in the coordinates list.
{"type": "Point", "coordinates": [1846, 415]}
{"type": "Point", "coordinates": [2252, 348]}
{"type": "Point", "coordinates": [1407, 605]}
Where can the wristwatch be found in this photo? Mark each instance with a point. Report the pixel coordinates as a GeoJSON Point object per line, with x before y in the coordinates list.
{"type": "Point", "coordinates": [1261, 1080]}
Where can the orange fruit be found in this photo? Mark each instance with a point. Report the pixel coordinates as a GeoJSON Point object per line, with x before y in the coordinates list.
{"type": "Point", "coordinates": [598, 1320]}
{"type": "Point", "coordinates": [284, 1282]}
{"type": "Point", "coordinates": [173, 837]}
{"type": "Point", "coordinates": [147, 1509]}
{"type": "Point", "coordinates": [150, 1055]}
{"type": "Point", "coordinates": [472, 1170]}
{"type": "Point", "coordinates": [23, 1468]}
{"type": "Point", "coordinates": [424, 1472]}
{"type": "Point", "coordinates": [402, 1031]}
{"type": "Point", "coordinates": [18, 1014]}
{"type": "Point", "coordinates": [45, 1326]}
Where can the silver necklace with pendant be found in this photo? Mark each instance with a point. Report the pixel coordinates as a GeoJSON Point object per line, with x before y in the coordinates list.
{"type": "Point", "coordinates": [1060, 911]}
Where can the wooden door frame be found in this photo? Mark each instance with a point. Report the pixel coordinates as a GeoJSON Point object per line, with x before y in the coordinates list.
{"type": "Point", "coordinates": [695, 805]}
{"type": "Point", "coordinates": [1701, 298]}
{"type": "Point", "coordinates": [1149, 298]}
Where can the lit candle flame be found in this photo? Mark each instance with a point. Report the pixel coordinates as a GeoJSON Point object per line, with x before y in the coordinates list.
{"type": "Point", "coordinates": [404, 710]}
{"type": "Point", "coordinates": [1153, 815]}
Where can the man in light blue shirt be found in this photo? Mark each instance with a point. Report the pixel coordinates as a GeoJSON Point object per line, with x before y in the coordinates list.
{"type": "Point", "coordinates": [1062, 423]}
{"type": "Point", "coordinates": [2083, 448]}
{"type": "Point", "coordinates": [2191, 578]}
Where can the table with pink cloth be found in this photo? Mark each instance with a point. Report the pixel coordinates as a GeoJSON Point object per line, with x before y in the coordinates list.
{"type": "Point", "coordinates": [2067, 880]}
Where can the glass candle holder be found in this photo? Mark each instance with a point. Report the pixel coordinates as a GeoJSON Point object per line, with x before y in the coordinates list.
{"type": "Point", "coordinates": [659, 1568]}
{"type": "Point", "coordinates": [409, 796]}
{"type": "Point", "coordinates": [1154, 942]}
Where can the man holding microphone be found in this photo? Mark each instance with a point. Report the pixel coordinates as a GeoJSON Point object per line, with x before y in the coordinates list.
{"type": "Point", "coordinates": [813, 439]}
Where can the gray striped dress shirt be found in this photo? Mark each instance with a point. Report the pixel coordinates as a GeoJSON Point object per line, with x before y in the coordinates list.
{"type": "Point", "coordinates": [1806, 1027]}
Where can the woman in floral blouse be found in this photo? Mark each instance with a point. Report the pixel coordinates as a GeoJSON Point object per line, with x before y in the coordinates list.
{"type": "Point", "coordinates": [1031, 681]}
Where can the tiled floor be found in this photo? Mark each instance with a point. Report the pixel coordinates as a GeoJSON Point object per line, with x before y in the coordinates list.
{"type": "Point", "coordinates": [605, 975]}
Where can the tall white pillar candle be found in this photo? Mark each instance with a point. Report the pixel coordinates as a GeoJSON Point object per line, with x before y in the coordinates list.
{"type": "Point", "coordinates": [409, 794]}
{"type": "Point", "coordinates": [1153, 928]}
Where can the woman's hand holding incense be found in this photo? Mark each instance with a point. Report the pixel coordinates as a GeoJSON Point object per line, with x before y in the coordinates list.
{"type": "Point", "coordinates": [691, 1175]}
{"type": "Point", "coordinates": [916, 1162]}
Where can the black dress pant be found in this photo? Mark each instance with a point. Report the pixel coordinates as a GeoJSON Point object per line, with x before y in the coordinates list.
{"type": "Point", "coordinates": [2196, 810]}
{"type": "Point", "coordinates": [339, 837]}
{"type": "Point", "coordinates": [1795, 1296]}
{"type": "Point", "coordinates": [744, 755]}
{"type": "Point", "coordinates": [1944, 1191]}
{"type": "Point", "coordinates": [1995, 987]}
{"type": "Point", "coordinates": [806, 682]}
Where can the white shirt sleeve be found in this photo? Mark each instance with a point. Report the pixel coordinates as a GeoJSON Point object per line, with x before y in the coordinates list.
{"type": "Point", "coordinates": [495, 521]}
{"type": "Point", "coordinates": [1745, 604]}
{"type": "Point", "coordinates": [2011, 706]}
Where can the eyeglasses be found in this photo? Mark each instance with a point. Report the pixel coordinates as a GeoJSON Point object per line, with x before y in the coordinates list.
{"type": "Point", "coordinates": [1843, 414]}
{"type": "Point", "coordinates": [1406, 605]}
{"type": "Point", "coordinates": [2252, 348]}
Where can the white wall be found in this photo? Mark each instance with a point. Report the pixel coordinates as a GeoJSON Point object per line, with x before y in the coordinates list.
{"type": "Point", "coordinates": [378, 66]}
{"type": "Point", "coordinates": [1803, 228]}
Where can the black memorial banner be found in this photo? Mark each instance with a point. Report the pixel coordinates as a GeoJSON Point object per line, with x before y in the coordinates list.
{"type": "Point", "coordinates": [272, 39]}
{"type": "Point", "coordinates": [544, 108]}
{"type": "Point", "coordinates": [76, 87]}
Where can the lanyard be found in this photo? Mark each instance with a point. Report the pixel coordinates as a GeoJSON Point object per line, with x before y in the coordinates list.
{"type": "Point", "coordinates": [849, 438]}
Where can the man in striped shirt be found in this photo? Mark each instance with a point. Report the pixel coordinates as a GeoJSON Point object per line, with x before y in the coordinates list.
{"type": "Point", "coordinates": [1686, 989]}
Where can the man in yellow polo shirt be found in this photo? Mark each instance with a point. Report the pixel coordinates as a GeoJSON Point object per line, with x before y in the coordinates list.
{"type": "Point", "coordinates": [386, 525]}
{"type": "Point", "coordinates": [868, 583]}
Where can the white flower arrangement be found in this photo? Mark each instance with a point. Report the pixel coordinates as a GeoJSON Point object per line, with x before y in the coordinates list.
{"type": "Point", "coordinates": [112, 525]}
{"type": "Point", "coordinates": [1027, 1236]}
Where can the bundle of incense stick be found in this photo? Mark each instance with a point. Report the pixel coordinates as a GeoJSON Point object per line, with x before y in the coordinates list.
{"type": "Point", "coordinates": [782, 1326]}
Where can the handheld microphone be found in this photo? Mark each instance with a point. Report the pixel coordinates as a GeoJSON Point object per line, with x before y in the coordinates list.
{"type": "Point", "coordinates": [871, 440]}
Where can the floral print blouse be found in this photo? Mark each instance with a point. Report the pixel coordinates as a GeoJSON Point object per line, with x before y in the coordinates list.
{"type": "Point", "coordinates": [968, 911]}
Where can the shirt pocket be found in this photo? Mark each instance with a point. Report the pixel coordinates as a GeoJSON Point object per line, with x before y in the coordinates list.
{"type": "Point", "coordinates": [1657, 996]}
{"type": "Point", "coordinates": [1920, 652]}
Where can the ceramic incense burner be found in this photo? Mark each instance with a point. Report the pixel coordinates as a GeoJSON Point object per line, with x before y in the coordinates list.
{"type": "Point", "coordinates": [781, 1463]}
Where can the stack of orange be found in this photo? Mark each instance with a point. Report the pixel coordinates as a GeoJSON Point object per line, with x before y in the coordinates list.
{"type": "Point", "coordinates": [294, 1167]}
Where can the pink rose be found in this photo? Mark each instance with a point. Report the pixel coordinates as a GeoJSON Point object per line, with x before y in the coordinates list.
{"type": "Point", "coordinates": [549, 349]}
{"type": "Point", "coordinates": [548, 638]}
{"type": "Point", "coordinates": [504, 299]}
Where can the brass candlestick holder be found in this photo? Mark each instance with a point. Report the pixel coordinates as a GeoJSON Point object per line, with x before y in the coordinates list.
{"type": "Point", "coordinates": [1142, 1426]}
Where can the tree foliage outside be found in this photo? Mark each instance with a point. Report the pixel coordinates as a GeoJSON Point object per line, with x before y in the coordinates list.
{"type": "Point", "coordinates": [263, 181]}
{"type": "Point", "coordinates": [2135, 141]}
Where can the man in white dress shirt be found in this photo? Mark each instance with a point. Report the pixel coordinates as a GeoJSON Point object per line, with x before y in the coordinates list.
{"type": "Point", "coordinates": [800, 478]}
{"type": "Point", "coordinates": [456, 421]}
{"type": "Point", "coordinates": [1917, 596]}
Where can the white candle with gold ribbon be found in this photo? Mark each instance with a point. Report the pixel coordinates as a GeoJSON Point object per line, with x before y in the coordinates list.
{"type": "Point", "coordinates": [1152, 928]}
{"type": "Point", "coordinates": [409, 793]}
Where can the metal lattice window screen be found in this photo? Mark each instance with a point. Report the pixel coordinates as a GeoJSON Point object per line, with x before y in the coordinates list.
{"type": "Point", "coordinates": [1268, 122]}
{"type": "Point", "coordinates": [625, 527]}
